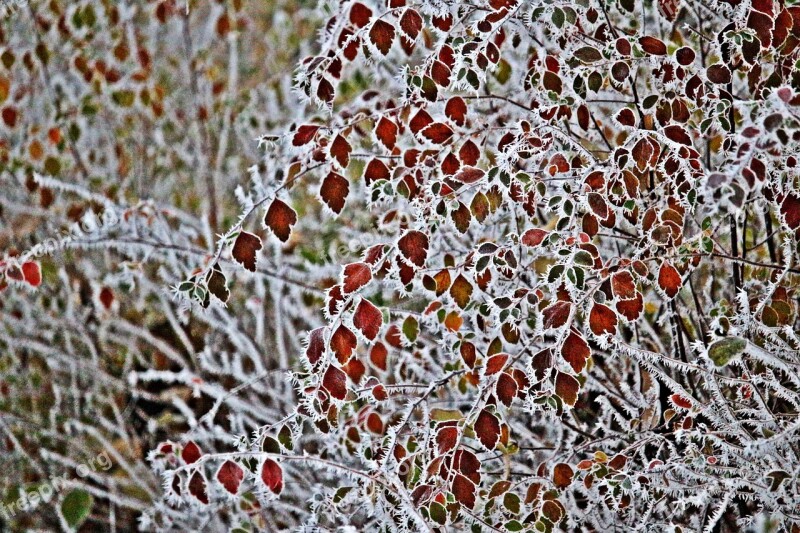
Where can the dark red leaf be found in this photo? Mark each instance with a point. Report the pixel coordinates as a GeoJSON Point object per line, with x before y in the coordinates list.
{"type": "Point", "coordinates": [316, 345]}
{"type": "Point", "coordinates": [562, 475]}
{"type": "Point", "coordinates": [335, 382]}
{"type": "Point", "coordinates": [197, 487]}
{"type": "Point", "coordinates": [669, 279]}
{"type": "Point", "coordinates": [567, 388]}
{"type": "Point", "coordinates": [456, 110]}
{"type": "Point", "coordinates": [414, 247]}
{"type": "Point", "coordinates": [438, 132]}
{"type": "Point", "coordinates": [506, 389]}
{"type": "Point", "coordinates": [623, 286]}
{"type": "Point", "coordinates": [446, 439]}
{"type": "Point", "coordinates": [343, 342]}
{"type": "Point", "coordinates": [420, 121]}
{"type": "Point", "coordinates": [602, 320]}
{"type": "Point", "coordinates": [376, 170]}
{"type": "Point", "coordinates": [334, 191]}
{"type": "Point", "coordinates": [487, 429]}
{"type": "Point", "coordinates": [280, 218]}
{"type": "Point", "coordinates": [382, 35]}
{"type": "Point", "coordinates": [464, 491]}
{"type": "Point", "coordinates": [230, 476]}
{"type": "Point", "coordinates": [495, 364]}
{"type": "Point", "coordinates": [575, 351]}
{"type": "Point", "coordinates": [360, 15]}
{"type": "Point", "coordinates": [304, 134]}
{"type": "Point", "coordinates": [272, 476]}
{"type": "Point", "coordinates": [653, 46]}
{"type": "Point", "coordinates": [340, 150]}
{"type": "Point", "coordinates": [678, 134]}
{"type": "Point", "coordinates": [469, 175]}
{"type": "Point", "coordinates": [386, 132]}
{"type": "Point", "coordinates": [245, 248]}
{"type": "Point", "coordinates": [355, 276]}
{"type": "Point", "coordinates": [32, 273]}
{"type": "Point", "coordinates": [556, 315]}
{"type": "Point", "coordinates": [411, 23]}
{"type": "Point", "coordinates": [368, 319]}
{"type": "Point", "coordinates": [191, 453]}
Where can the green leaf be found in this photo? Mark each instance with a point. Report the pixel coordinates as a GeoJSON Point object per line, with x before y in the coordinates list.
{"type": "Point", "coordinates": [411, 328]}
{"type": "Point", "coordinates": [725, 350]}
{"type": "Point", "coordinates": [76, 507]}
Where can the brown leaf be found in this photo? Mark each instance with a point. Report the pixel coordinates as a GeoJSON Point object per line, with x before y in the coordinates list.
{"type": "Point", "coordinates": [464, 491]}
{"type": "Point", "coordinates": [562, 475]}
{"type": "Point", "coordinates": [446, 439]}
{"type": "Point", "coordinates": [469, 175]}
{"type": "Point", "coordinates": [461, 291]}
{"type": "Point", "coordinates": [623, 286]}
{"type": "Point", "coordinates": [506, 389]}
{"type": "Point", "coordinates": [567, 388]}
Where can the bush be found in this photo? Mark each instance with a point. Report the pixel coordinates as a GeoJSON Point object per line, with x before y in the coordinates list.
{"type": "Point", "coordinates": [508, 267]}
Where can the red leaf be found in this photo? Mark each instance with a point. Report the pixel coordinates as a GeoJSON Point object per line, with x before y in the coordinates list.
{"type": "Point", "coordinates": [487, 429]}
{"type": "Point", "coordinates": [790, 209]}
{"type": "Point", "coordinates": [446, 439]}
{"type": "Point", "coordinates": [10, 115]}
{"type": "Point", "coordinates": [382, 35]}
{"type": "Point", "coordinates": [304, 134]}
{"type": "Point", "coordinates": [325, 91]}
{"type": "Point", "coordinates": [443, 23]}
{"type": "Point", "coordinates": [368, 319]}
{"type": "Point", "coordinates": [567, 388]}
{"type": "Point", "coordinates": [280, 218]}
{"type": "Point", "coordinates": [631, 309]}
{"type": "Point", "coordinates": [556, 315]}
{"type": "Point", "coordinates": [272, 476]}
{"type": "Point", "coordinates": [378, 354]}
{"type": "Point", "coordinates": [678, 134]}
{"type": "Point", "coordinates": [376, 170]}
{"type": "Point", "coordinates": [421, 120]}
{"type": "Point", "coordinates": [464, 491]}
{"type": "Point", "coordinates": [680, 401]}
{"type": "Point", "coordinates": [360, 15]}
{"type": "Point", "coordinates": [106, 297]}
{"type": "Point", "coordinates": [575, 351]}
{"type": "Point", "coordinates": [197, 487]}
{"type": "Point", "coordinates": [414, 247]}
{"type": "Point", "coordinates": [469, 175]}
{"type": "Point", "coordinates": [316, 345]}
{"type": "Point", "coordinates": [653, 46]}
{"type": "Point", "coordinates": [355, 276]}
{"type": "Point", "coordinates": [534, 237]}
{"type": "Point", "coordinates": [386, 132]}
{"type": "Point", "coordinates": [506, 389]}
{"type": "Point", "coordinates": [562, 475]}
{"type": "Point", "coordinates": [602, 319]}
{"type": "Point", "coordinates": [438, 132]}
{"type": "Point", "coordinates": [191, 453]}
{"type": "Point", "coordinates": [335, 382]}
{"type": "Point", "coordinates": [230, 476]}
{"type": "Point", "coordinates": [495, 364]}
{"type": "Point", "coordinates": [334, 191]}
{"type": "Point", "coordinates": [623, 286]}
{"type": "Point", "coordinates": [340, 149]}
{"type": "Point", "coordinates": [469, 153]}
{"type": "Point", "coordinates": [343, 342]}
{"type": "Point", "coordinates": [32, 273]}
{"type": "Point", "coordinates": [411, 23]}
{"type": "Point", "coordinates": [669, 279]}
{"type": "Point", "coordinates": [245, 248]}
